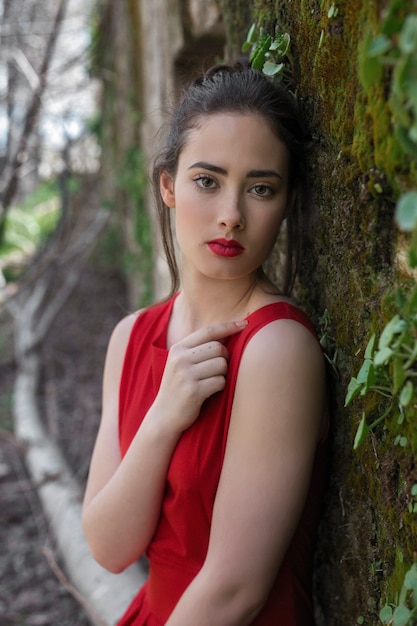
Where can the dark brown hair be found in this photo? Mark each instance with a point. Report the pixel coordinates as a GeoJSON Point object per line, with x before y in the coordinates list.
{"type": "Point", "coordinates": [238, 89]}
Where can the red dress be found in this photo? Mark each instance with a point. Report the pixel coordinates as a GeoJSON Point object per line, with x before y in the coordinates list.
{"type": "Point", "coordinates": [178, 548]}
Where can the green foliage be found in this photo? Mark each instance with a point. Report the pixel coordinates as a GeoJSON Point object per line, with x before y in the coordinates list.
{"type": "Point", "coordinates": [389, 364]}
{"type": "Point", "coordinates": [28, 225]}
{"type": "Point", "coordinates": [407, 211]}
{"type": "Point", "coordinates": [406, 216]}
{"type": "Point", "coordinates": [266, 53]}
{"type": "Point", "coordinates": [405, 613]}
{"type": "Point", "coordinates": [412, 505]}
{"type": "Point", "coordinates": [131, 180]}
{"type": "Point", "coordinates": [386, 382]}
{"type": "Point", "coordinates": [395, 48]}
{"type": "Point", "coordinates": [389, 369]}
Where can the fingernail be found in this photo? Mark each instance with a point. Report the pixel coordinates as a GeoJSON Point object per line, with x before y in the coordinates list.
{"type": "Point", "coordinates": [241, 323]}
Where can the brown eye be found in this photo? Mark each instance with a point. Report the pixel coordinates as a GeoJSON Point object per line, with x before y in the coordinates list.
{"type": "Point", "coordinates": [263, 191]}
{"type": "Point", "coordinates": [205, 182]}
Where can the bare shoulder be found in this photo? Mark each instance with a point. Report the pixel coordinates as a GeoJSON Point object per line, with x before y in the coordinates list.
{"type": "Point", "coordinates": [124, 326]}
{"type": "Point", "coordinates": [121, 332]}
{"type": "Point", "coordinates": [284, 339]}
{"type": "Point", "coordinates": [282, 372]}
{"type": "Point", "coordinates": [118, 342]}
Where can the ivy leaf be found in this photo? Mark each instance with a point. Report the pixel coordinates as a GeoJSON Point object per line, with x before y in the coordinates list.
{"type": "Point", "coordinates": [272, 69]}
{"type": "Point", "coordinates": [401, 440]}
{"type": "Point", "coordinates": [383, 355]}
{"type": "Point", "coordinates": [370, 348]}
{"type": "Point", "coordinates": [361, 433]}
{"type": "Point", "coordinates": [406, 211]}
{"type": "Point", "coordinates": [401, 616]}
{"type": "Point", "coordinates": [260, 53]}
{"type": "Point", "coordinates": [385, 614]}
{"type": "Point", "coordinates": [250, 39]}
{"type": "Point", "coordinates": [400, 418]}
{"type": "Point", "coordinates": [389, 331]}
{"type": "Point", "coordinates": [407, 40]}
{"type": "Point", "coordinates": [403, 138]}
{"type": "Point", "coordinates": [410, 580]}
{"type": "Point", "coordinates": [378, 46]}
{"type": "Point", "coordinates": [281, 43]}
{"type": "Point", "coordinates": [366, 375]}
{"type": "Point", "coordinates": [407, 393]}
{"type": "Point", "coordinates": [354, 388]}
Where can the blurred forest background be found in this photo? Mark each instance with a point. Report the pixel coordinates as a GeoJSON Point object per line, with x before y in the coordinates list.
{"type": "Point", "coordinates": [84, 88]}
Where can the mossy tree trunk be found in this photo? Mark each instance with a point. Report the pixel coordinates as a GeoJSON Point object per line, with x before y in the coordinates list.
{"type": "Point", "coordinates": [368, 537]}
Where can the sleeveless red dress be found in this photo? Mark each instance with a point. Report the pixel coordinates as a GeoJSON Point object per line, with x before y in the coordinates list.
{"type": "Point", "coordinates": [178, 549]}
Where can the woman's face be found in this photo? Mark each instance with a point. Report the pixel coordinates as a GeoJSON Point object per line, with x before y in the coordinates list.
{"type": "Point", "coordinates": [230, 195]}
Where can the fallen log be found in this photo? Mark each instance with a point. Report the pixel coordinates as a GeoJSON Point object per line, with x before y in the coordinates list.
{"type": "Point", "coordinates": [33, 308]}
{"type": "Point", "coordinates": [106, 594]}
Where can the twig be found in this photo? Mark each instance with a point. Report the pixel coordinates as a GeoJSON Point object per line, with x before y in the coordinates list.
{"type": "Point", "coordinates": [11, 186]}
{"type": "Point", "coordinates": [71, 589]}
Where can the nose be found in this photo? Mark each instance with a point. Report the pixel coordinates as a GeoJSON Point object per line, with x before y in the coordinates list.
{"type": "Point", "coordinates": [232, 215]}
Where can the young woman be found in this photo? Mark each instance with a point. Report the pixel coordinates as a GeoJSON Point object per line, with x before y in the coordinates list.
{"type": "Point", "coordinates": [211, 452]}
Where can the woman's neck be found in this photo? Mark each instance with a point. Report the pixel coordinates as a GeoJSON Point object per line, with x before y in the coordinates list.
{"type": "Point", "coordinates": [206, 302]}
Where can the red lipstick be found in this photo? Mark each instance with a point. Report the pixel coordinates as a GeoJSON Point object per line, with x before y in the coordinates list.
{"type": "Point", "coordinates": [225, 247]}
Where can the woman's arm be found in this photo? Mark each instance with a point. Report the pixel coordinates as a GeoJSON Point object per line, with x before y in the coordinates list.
{"type": "Point", "coordinates": [123, 496]}
{"type": "Point", "coordinates": [274, 429]}
{"type": "Point", "coordinates": [118, 504]}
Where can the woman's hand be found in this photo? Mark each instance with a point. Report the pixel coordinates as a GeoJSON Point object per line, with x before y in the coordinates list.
{"type": "Point", "coordinates": [196, 369]}
{"type": "Point", "coordinates": [123, 497]}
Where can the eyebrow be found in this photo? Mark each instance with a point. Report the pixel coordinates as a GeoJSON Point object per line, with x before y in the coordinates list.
{"type": "Point", "coordinates": [220, 170]}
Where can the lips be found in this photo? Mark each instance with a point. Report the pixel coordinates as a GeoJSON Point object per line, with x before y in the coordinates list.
{"type": "Point", "coordinates": [226, 247]}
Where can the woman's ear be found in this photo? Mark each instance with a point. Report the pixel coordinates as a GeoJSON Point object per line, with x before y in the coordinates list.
{"type": "Point", "coordinates": [166, 187]}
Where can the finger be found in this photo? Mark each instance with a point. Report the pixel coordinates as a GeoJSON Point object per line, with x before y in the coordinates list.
{"type": "Point", "coordinates": [211, 368]}
{"type": "Point", "coordinates": [212, 385]}
{"type": "Point", "coordinates": [214, 332]}
{"type": "Point", "coordinates": [210, 350]}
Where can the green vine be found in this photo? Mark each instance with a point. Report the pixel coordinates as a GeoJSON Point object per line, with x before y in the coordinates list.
{"type": "Point", "coordinates": [405, 613]}
{"type": "Point", "coordinates": [395, 48]}
{"type": "Point", "coordinates": [389, 368]}
{"type": "Point", "coordinates": [268, 54]}
{"type": "Point", "coordinates": [131, 179]}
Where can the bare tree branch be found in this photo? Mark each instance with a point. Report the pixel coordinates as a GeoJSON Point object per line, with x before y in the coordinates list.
{"type": "Point", "coordinates": [36, 305]}
{"type": "Point", "coordinates": [30, 119]}
{"type": "Point", "coordinates": [26, 68]}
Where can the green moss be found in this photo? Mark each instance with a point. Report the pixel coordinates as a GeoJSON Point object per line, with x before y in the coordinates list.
{"type": "Point", "coordinates": [358, 167]}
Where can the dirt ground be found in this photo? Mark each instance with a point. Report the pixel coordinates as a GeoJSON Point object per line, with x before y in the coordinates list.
{"type": "Point", "coordinates": [73, 355]}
